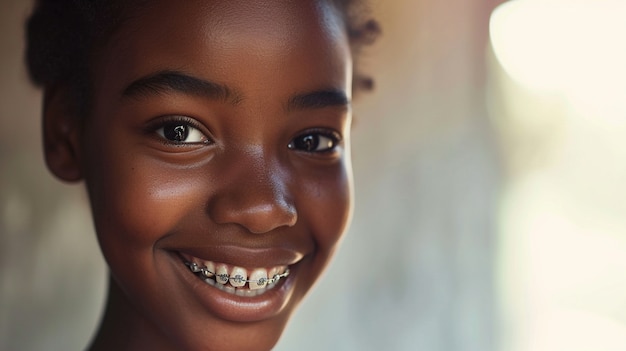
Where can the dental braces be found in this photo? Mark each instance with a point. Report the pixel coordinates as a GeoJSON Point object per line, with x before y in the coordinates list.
{"type": "Point", "coordinates": [224, 278]}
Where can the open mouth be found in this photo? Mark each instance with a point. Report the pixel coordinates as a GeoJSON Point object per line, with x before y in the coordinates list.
{"type": "Point", "coordinates": [237, 280]}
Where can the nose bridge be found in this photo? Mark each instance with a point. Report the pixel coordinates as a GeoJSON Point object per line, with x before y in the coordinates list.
{"type": "Point", "coordinates": [256, 196]}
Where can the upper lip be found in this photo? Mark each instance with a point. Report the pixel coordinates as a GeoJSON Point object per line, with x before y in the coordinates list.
{"type": "Point", "coordinates": [245, 256]}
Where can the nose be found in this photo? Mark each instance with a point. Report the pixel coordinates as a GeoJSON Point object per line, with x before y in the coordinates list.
{"type": "Point", "coordinates": [255, 196]}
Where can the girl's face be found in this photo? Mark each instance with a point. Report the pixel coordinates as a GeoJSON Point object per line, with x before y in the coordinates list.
{"type": "Point", "coordinates": [219, 135]}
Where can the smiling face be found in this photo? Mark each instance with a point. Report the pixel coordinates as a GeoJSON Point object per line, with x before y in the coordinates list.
{"type": "Point", "coordinates": [218, 140]}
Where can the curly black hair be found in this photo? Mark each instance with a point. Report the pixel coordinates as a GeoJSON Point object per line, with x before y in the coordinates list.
{"type": "Point", "coordinates": [64, 35]}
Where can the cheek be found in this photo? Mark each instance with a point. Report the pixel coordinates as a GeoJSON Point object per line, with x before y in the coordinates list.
{"type": "Point", "coordinates": [329, 206]}
{"type": "Point", "coordinates": [137, 200]}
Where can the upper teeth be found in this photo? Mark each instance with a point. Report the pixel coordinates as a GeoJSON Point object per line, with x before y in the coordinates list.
{"type": "Point", "coordinates": [238, 276]}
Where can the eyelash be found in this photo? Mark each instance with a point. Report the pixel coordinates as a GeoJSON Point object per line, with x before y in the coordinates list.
{"type": "Point", "coordinates": [333, 137]}
{"type": "Point", "coordinates": [308, 141]}
{"type": "Point", "coordinates": [192, 127]}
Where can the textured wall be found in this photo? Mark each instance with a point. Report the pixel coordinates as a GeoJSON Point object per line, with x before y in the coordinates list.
{"type": "Point", "coordinates": [415, 271]}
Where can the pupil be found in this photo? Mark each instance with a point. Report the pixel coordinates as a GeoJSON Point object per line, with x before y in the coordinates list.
{"type": "Point", "coordinates": [176, 132]}
{"type": "Point", "coordinates": [308, 143]}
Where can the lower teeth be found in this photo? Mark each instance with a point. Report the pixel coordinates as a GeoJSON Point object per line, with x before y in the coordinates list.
{"type": "Point", "coordinates": [206, 274]}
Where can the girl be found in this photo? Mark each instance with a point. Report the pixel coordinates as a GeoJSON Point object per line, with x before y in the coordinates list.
{"type": "Point", "coordinates": [214, 141]}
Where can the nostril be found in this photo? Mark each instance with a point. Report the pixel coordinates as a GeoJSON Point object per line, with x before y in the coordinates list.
{"type": "Point", "coordinates": [256, 195]}
{"type": "Point", "coordinates": [265, 218]}
{"type": "Point", "coordinates": [257, 214]}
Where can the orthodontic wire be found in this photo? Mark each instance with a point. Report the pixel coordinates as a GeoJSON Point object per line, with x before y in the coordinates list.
{"type": "Point", "coordinates": [195, 268]}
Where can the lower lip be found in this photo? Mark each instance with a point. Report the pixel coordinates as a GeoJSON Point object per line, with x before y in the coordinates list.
{"type": "Point", "coordinates": [236, 308]}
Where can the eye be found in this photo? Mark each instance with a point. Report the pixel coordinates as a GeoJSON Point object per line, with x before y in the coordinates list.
{"type": "Point", "coordinates": [315, 142]}
{"type": "Point", "coordinates": [181, 132]}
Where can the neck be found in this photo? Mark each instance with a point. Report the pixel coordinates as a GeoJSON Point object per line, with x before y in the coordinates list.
{"type": "Point", "coordinates": [123, 328]}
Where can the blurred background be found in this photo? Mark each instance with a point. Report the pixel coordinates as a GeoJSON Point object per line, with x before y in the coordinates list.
{"type": "Point", "coordinates": [490, 164]}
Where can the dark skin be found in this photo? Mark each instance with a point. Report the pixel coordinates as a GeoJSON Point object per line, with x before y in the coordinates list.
{"type": "Point", "coordinates": [219, 130]}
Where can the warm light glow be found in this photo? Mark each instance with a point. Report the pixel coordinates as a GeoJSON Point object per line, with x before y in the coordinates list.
{"type": "Point", "coordinates": [574, 47]}
{"type": "Point", "coordinates": [562, 225]}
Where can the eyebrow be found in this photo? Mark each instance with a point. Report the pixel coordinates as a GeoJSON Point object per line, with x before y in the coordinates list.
{"type": "Point", "coordinates": [318, 99]}
{"type": "Point", "coordinates": [173, 81]}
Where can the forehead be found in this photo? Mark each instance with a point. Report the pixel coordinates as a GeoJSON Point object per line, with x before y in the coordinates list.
{"type": "Point", "coordinates": [247, 44]}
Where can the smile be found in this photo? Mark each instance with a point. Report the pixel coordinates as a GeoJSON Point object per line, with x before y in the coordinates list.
{"type": "Point", "coordinates": [237, 280]}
